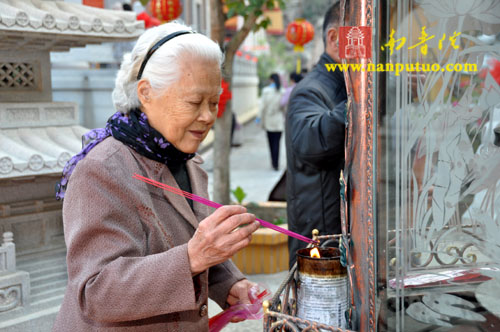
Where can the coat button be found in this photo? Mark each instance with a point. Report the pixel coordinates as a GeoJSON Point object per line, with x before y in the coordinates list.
{"type": "Point", "coordinates": [203, 310]}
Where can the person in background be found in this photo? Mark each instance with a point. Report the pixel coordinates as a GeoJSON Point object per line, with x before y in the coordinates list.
{"type": "Point", "coordinates": [271, 116]}
{"type": "Point", "coordinates": [315, 132]}
{"type": "Point", "coordinates": [294, 79]}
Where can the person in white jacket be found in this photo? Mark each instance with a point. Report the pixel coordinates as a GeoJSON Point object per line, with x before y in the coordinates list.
{"type": "Point", "coordinates": [272, 117]}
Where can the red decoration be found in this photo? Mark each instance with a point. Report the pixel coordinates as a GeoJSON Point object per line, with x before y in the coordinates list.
{"type": "Point", "coordinates": [495, 69]}
{"type": "Point", "coordinates": [355, 42]}
{"type": "Point", "coordinates": [166, 10]}
{"type": "Point", "coordinates": [299, 33]}
{"type": "Point", "coordinates": [149, 21]}
{"type": "Point", "coordinates": [224, 97]}
{"type": "Point", "coordinates": [94, 3]}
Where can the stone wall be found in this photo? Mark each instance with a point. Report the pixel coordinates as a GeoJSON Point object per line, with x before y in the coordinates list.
{"type": "Point", "coordinates": [245, 86]}
{"type": "Point", "coordinates": [90, 88]}
{"type": "Point", "coordinates": [28, 209]}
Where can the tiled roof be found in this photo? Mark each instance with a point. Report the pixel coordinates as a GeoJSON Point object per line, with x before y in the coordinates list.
{"type": "Point", "coordinates": [58, 25]}
{"type": "Point", "coordinates": [36, 151]}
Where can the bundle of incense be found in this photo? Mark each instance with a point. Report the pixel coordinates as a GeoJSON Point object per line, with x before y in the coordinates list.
{"type": "Point", "coordinates": [253, 310]}
{"type": "Point", "coordinates": [217, 205]}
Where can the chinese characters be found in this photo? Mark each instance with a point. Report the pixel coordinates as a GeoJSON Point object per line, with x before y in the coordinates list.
{"type": "Point", "coordinates": [397, 44]}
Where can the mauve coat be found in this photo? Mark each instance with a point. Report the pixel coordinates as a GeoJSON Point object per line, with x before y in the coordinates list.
{"type": "Point", "coordinates": [128, 265]}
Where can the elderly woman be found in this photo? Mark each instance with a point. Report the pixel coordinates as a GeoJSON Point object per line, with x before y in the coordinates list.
{"type": "Point", "coordinates": [139, 258]}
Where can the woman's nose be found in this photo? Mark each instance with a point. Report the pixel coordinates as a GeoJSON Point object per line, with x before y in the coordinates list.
{"type": "Point", "coordinates": [206, 115]}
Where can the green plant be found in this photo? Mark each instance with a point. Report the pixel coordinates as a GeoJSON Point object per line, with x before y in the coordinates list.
{"type": "Point", "coordinates": [239, 194]}
{"type": "Point", "coordinates": [279, 221]}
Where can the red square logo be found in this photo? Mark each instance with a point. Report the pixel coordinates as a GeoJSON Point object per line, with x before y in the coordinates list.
{"type": "Point", "coordinates": [355, 42]}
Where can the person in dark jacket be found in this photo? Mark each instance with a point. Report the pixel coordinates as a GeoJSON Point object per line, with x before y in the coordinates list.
{"type": "Point", "coordinates": [315, 130]}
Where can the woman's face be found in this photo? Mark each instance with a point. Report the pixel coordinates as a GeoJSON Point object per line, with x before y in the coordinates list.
{"type": "Point", "coordinates": [187, 109]}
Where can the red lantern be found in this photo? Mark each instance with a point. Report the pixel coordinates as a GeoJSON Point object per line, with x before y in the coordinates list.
{"type": "Point", "coordinates": [166, 10]}
{"type": "Point", "coordinates": [299, 33]}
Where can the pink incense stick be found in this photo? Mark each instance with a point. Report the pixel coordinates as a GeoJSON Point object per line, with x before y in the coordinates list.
{"type": "Point", "coordinates": [217, 205]}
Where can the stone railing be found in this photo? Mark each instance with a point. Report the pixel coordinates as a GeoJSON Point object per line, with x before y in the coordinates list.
{"type": "Point", "coordinates": [14, 285]}
{"type": "Point", "coordinates": [8, 254]}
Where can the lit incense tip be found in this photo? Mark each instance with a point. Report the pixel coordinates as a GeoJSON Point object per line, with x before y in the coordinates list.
{"type": "Point", "coordinates": [265, 306]}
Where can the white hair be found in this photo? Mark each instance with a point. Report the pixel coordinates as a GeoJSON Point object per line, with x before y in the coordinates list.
{"type": "Point", "coordinates": [162, 69]}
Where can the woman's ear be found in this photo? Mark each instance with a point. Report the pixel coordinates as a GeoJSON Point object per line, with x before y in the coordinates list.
{"type": "Point", "coordinates": [144, 91]}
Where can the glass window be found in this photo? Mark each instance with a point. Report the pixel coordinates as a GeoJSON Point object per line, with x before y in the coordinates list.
{"type": "Point", "coordinates": [438, 161]}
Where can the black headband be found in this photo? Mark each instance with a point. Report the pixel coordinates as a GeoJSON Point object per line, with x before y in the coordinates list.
{"type": "Point", "coordinates": [157, 46]}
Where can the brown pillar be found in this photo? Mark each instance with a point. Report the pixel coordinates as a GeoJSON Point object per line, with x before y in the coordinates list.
{"type": "Point", "coordinates": [360, 161]}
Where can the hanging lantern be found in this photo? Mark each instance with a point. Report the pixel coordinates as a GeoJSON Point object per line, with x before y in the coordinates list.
{"type": "Point", "coordinates": [299, 33]}
{"type": "Point", "coordinates": [166, 10]}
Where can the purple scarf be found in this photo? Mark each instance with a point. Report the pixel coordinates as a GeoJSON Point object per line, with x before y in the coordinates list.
{"type": "Point", "coordinates": [134, 131]}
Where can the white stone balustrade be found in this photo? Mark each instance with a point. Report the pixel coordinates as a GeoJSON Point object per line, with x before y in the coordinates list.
{"type": "Point", "coordinates": [14, 285]}
{"type": "Point", "coordinates": [8, 254]}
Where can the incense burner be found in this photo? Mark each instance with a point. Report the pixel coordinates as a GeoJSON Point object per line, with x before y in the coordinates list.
{"type": "Point", "coordinates": [297, 307]}
{"type": "Point", "coordinates": [321, 287]}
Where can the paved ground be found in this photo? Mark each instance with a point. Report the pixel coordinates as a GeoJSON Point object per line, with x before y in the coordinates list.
{"type": "Point", "coordinates": [251, 170]}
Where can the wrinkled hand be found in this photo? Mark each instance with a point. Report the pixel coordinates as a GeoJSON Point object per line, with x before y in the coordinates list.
{"type": "Point", "coordinates": [217, 238]}
{"type": "Point", "coordinates": [238, 294]}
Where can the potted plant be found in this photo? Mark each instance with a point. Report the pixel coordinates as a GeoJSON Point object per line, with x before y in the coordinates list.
{"type": "Point", "coordinates": [268, 250]}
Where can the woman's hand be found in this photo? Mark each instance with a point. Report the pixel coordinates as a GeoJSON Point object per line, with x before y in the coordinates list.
{"type": "Point", "coordinates": [238, 294]}
{"type": "Point", "coordinates": [216, 239]}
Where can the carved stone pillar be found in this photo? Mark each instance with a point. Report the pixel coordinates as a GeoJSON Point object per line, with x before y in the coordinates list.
{"type": "Point", "coordinates": [14, 285]}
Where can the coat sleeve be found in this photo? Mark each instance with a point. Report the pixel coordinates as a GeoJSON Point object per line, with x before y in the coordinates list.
{"type": "Point", "coordinates": [107, 263]}
{"type": "Point", "coordinates": [317, 132]}
{"type": "Point", "coordinates": [263, 105]}
{"type": "Point", "coordinates": [221, 278]}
